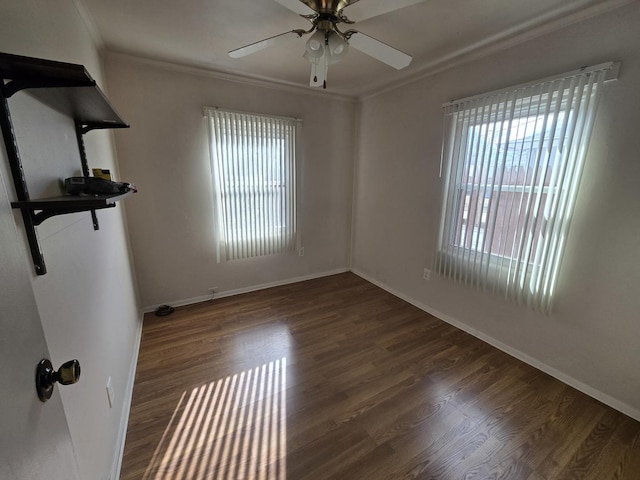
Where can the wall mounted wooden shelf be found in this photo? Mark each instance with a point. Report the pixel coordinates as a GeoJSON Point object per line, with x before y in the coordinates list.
{"type": "Point", "coordinates": [52, 206]}
{"type": "Point", "coordinates": [69, 89]}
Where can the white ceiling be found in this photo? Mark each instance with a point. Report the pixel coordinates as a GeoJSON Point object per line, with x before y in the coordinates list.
{"type": "Point", "coordinates": [199, 33]}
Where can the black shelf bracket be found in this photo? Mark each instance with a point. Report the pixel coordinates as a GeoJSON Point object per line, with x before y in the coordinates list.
{"type": "Point", "coordinates": [42, 215]}
{"type": "Point", "coordinates": [20, 184]}
{"type": "Point", "coordinates": [87, 127]}
{"type": "Point", "coordinates": [85, 166]}
{"type": "Point", "coordinates": [69, 89]}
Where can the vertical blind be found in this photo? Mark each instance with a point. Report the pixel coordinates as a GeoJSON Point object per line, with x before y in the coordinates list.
{"type": "Point", "coordinates": [253, 169]}
{"type": "Point", "coordinates": [513, 163]}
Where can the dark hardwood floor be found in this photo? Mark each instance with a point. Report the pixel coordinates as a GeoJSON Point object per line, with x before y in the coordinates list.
{"type": "Point", "coordinates": [336, 379]}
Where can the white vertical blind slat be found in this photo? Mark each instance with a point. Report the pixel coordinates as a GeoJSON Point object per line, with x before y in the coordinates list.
{"type": "Point", "coordinates": [451, 178]}
{"type": "Point", "coordinates": [274, 181]}
{"type": "Point", "coordinates": [497, 182]}
{"type": "Point", "coordinates": [475, 198]}
{"type": "Point", "coordinates": [467, 238]}
{"type": "Point", "coordinates": [454, 222]}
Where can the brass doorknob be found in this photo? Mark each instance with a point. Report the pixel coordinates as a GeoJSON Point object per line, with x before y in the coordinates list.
{"type": "Point", "coordinates": [46, 376]}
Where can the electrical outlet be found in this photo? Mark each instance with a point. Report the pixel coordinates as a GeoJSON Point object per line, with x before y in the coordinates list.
{"type": "Point", "coordinates": [301, 252]}
{"type": "Point", "coordinates": [110, 396]}
{"type": "Point", "coordinates": [426, 274]}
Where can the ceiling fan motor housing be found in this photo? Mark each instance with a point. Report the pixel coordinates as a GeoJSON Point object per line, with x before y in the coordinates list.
{"type": "Point", "coordinates": [325, 24]}
{"type": "Point", "coordinates": [327, 6]}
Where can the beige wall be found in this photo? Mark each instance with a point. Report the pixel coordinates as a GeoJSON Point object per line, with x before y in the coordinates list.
{"type": "Point", "coordinates": [87, 300]}
{"type": "Point", "coordinates": [592, 340]}
{"type": "Point", "coordinates": [165, 154]}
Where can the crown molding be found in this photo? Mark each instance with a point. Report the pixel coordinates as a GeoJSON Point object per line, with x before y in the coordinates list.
{"type": "Point", "coordinates": [90, 24]}
{"type": "Point", "coordinates": [552, 21]}
{"type": "Point", "coordinates": [239, 78]}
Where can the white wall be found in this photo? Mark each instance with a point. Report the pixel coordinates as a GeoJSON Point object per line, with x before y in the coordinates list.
{"type": "Point", "coordinates": [593, 338]}
{"type": "Point", "coordinates": [166, 155]}
{"type": "Point", "coordinates": [87, 300]}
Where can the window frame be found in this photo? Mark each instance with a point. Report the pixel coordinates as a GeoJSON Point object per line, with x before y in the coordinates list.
{"type": "Point", "coordinates": [242, 150]}
{"type": "Point", "coordinates": [457, 250]}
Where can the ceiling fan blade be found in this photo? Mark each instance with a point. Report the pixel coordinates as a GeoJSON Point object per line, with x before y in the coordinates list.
{"type": "Point", "coordinates": [297, 6]}
{"type": "Point", "coordinates": [359, 11]}
{"type": "Point", "coordinates": [380, 51]}
{"type": "Point", "coordinates": [261, 45]}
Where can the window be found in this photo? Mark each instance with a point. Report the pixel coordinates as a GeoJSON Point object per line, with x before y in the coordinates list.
{"type": "Point", "coordinates": [253, 167]}
{"type": "Point", "coordinates": [513, 164]}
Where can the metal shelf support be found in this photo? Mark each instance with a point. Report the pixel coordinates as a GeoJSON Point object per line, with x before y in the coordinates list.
{"type": "Point", "coordinates": [69, 89]}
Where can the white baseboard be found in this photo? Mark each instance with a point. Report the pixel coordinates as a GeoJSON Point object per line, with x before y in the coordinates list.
{"type": "Point", "coordinates": [252, 288]}
{"type": "Point", "coordinates": [126, 406]}
{"type": "Point", "coordinates": [534, 362]}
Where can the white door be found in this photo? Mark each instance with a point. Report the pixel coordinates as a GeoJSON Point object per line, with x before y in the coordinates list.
{"type": "Point", "coordinates": [34, 437]}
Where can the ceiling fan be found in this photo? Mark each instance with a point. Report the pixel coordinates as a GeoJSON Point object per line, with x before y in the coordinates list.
{"type": "Point", "coordinates": [328, 44]}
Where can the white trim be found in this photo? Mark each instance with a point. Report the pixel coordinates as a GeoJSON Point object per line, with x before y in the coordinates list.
{"type": "Point", "coordinates": [515, 35]}
{"type": "Point", "coordinates": [90, 24]}
{"type": "Point", "coordinates": [566, 15]}
{"type": "Point", "coordinates": [512, 37]}
{"type": "Point", "coordinates": [557, 374]}
{"type": "Point", "coordinates": [252, 288]}
{"type": "Point", "coordinates": [116, 465]}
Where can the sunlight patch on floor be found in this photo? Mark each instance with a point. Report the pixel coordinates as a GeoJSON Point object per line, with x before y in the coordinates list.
{"type": "Point", "coordinates": [233, 428]}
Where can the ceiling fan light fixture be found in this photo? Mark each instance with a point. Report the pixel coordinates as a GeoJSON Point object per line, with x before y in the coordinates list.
{"type": "Point", "coordinates": [315, 45]}
{"type": "Point", "coordinates": [338, 47]}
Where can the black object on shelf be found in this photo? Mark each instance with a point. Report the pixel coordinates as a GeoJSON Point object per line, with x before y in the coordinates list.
{"type": "Point", "coordinates": [69, 89]}
{"type": "Point", "coordinates": [95, 186]}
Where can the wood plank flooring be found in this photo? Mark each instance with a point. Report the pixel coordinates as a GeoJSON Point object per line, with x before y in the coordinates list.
{"type": "Point", "coordinates": [336, 379]}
